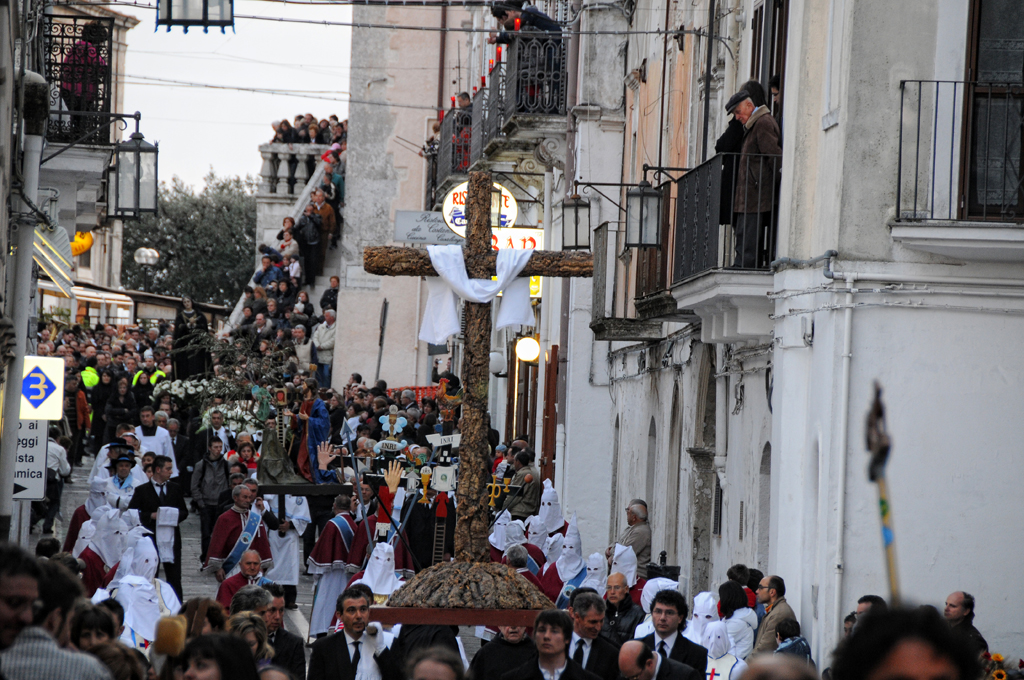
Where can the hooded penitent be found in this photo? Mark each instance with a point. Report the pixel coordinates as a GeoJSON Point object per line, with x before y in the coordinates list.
{"type": "Point", "coordinates": [536, 532]}
{"type": "Point", "coordinates": [715, 639]}
{"type": "Point", "coordinates": [380, 571]}
{"type": "Point", "coordinates": [108, 539]}
{"type": "Point", "coordinates": [597, 573]}
{"type": "Point", "coordinates": [515, 533]}
{"type": "Point", "coordinates": [552, 550]}
{"type": "Point", "coordinates": [497, 537]}
{"type": "Point", "coordinates": [652, 588]}
{"type": "Point", "coordinates": [705, 611]}
{"type": "Point", "coordinates": [550, 509]}
{"type": "Point", "coordinates": [624, 562]}
{"type": "Point", "coordinates": [570, 561]}
{"type": "Point", "coordinates": [97, 495]}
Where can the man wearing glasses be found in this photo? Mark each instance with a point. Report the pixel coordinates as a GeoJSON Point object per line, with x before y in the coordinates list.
{"type": "Point", "coordinates": [771, 592]}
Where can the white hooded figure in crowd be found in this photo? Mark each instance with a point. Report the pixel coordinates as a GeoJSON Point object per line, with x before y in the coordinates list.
{"type": "Point", "coordinates": [536, 532]}
{"type": "Point", "coordinates": [286, 543]}
{"type": "Point", "coordinates": [624, 562]}
{"type": "Point", "coordinates": [380, 573]}
{"type": "Point", "coordinates": [552, 550]}
{"type": "Point", "coordinates": [721, 662]}
{"type": "Point", "coordinates": [570, 569]}
{"type": "Point", "coordinates": [705, 611]}
{"type": "Point", "coordinates": [597, 573]}
{"type": "Point", "coordinates": [145, 598]}
{"type": "Point", "coordinates": [497, 538]}
{"type": "Point", "coordinates": [108, 539]}
{"type": "Point", "coordinates": [550, 512]}
{"type": "Point", "coordinates": [651, 588]}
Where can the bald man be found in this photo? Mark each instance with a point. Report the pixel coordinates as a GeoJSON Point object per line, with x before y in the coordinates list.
{"type": "Point", "coordinates": [637, 660]}
{"type": "Point", "coordinates": [621, 616]}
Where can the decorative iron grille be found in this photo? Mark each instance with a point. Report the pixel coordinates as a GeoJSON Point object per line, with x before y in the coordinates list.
{"type": "Point", "coordinates": [535, 76]}
{"type": "Point", "coordinates": [496, 89]}
{"type": "Point", "coordinates": [78, 67]}
{"type": "Point", "coordinates": [477, 143]}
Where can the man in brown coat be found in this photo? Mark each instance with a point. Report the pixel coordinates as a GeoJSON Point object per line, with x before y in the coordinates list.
{"type": "Point", "coordinates": [771, 592]}
{"type": "Point", "coordinates": [328, 220]}
{"type": "Point", "coordinates": [756, 181]}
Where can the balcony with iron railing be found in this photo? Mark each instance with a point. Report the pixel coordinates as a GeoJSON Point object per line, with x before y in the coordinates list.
{"type": "Point", "coordinates": [77, 60]}
{"type": "Point", "coordinates": [960, 179]}
{"type": "Point", "coordinates": [726, 222]}
{"type": "Point", "coordinates": [453, 150]}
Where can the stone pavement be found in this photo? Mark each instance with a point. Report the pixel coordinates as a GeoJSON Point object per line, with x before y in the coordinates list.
{"type": "Point", "coordinates": [194, 583]}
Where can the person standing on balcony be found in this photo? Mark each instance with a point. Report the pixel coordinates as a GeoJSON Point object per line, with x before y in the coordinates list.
{"type": "Point", "coordinates": [756, 181]}
{"type": "Point", "coordinates": [530, 19]}
{"type": "Point", "coordinates": [328, 222]}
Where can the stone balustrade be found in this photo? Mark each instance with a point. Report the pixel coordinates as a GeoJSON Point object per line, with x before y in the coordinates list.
{"type": "Point", "coordinates": [288, 167]}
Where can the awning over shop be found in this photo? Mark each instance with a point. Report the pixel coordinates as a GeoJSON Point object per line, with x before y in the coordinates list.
{"type": "Point", "coordinates": [52, 252]}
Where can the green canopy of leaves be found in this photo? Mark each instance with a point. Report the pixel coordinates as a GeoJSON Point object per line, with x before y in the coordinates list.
{"type": "Point", "coordinates": [206, 241]}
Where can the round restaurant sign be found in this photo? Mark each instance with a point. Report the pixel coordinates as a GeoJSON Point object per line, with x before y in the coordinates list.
{"type": "Point", "coordinates": [454, 208]}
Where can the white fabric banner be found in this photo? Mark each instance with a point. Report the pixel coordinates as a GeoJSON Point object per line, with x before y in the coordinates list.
{"type": "Point", "coordinates": [441, 317]}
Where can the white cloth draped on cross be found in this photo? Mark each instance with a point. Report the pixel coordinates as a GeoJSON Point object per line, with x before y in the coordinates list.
{"type": "Point", "coordinates": [441, 317]}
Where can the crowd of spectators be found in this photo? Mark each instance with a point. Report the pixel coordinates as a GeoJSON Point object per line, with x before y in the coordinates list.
{"type": "Point", "coordinates": [306, 129]}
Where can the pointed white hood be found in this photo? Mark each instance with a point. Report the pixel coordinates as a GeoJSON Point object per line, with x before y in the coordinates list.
{"type": "Point", "coordinates": [536, 532]}
{"type": "Point", "coordinates": [652, 588]}
{"type": "Point", "coordinates": [570, 562]}
{"type": "Point", "coordinates": [624, 562]}
{"type": "Point", "coordinates": [550, 508]}
{"type": "Point", "coordinates": [85, 534]}
{"type": "Point", "coordinates": [597, 573]}
{"type": "Point", "coordinates": [552, 549]}
{"type": "Point", "coordinates": [141, 605]}
{"type": "Point", "coordinates": [126, 565]}
{"type": "Point", "coordinates": [108, 540]}
{"type": "Point", "coordinates": [716, 639]}
{"type": "Point", "coordinates": [705, 612]}
{"type": "Point", "coordinates": [497, 537]}
{"type": "Point", "coordinates": [145, 559]}
{"type": "Point", "coordinates": [515, 533]}
{"type": "Point", "coordinates": [97, 495]}
{"type": "Point", "coordinates": [380, 571]}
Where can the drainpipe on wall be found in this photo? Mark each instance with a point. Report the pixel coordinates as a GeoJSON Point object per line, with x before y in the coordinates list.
{"type": "Point", "coordinates": [844, 429]}
{"type": "Point", "coordinates": [721, 414]}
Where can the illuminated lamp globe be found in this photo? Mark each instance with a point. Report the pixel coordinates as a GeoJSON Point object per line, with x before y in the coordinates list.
{"type": "Point", "coordinates": [527, 349]}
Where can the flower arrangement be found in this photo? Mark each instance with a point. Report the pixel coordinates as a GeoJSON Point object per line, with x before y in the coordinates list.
{"type": "Point", "coordinates": [997, 668]}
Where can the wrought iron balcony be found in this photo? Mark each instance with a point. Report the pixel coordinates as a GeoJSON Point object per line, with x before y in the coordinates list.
{"type": "Point", "coordinates": [535, 78]}
{"type": "Point", "coordinates": [77, 61]}
{"type": "Point", "coordinates": [960, 152]}
{"type": "Point", "coordinates": [727, 215]}
{"type": "Point", "coordinates": [454, 143]}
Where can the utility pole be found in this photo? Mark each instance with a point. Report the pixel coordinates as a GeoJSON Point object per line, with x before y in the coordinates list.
{"type": "Point", "coordinates": [34, 119]}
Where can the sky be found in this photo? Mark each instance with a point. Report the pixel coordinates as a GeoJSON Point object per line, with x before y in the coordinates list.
{"type": "Point", "coordinates": [199, 129]}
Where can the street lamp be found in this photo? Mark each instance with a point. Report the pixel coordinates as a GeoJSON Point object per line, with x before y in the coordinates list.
{"type": "Point", "coordinates": [203, 13]}
{"type": "Point", "coordinates": [146, 258]}
{"type": "Point", "coordinates": [575, 223]}
{"type": "Point", "coordinates": [643, 213]}
{"type": "Point", "coordinates": [135, 178]}
{"type": "Point", "coordinates": [527, 349]}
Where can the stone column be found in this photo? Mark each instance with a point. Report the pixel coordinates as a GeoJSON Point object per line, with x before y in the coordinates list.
{"type": "Point", "coordinates": [703, 499]}
{"type": "Point", "coordinates": [282, 173]}
{"type": "Point", "coordinates": [267, 171]}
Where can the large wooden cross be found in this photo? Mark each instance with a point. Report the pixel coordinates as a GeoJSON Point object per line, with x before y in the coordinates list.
{"type": "Point", "coordinates": [472, 525]}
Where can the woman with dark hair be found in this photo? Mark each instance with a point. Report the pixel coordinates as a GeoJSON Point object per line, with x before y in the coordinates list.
{"type": "Point", "coordinates": [756, 92]}
{"type": "Point", "coordinates": [285, 294]}
{"type": "Point", "coordinates": [303, 305]}
{"type": "Point", "coordinates": [286, 133]}
{"type": "Point", "coordinates": [121, 660]}
{"type": "Point", "coordinates": [740, 620]}
{"type": "Point", "coordinates": [189, 325]}
{"type": "Point", "coordinates": [121, 408]}
{"type": "Point", "coordinates": [91, 626]}
{"type": "Point", "coordinates": [218, 656]}
{"type": "Point", "coordinates": [100, 395]}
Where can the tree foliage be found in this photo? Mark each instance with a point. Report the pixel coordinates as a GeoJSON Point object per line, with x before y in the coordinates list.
{"type": "Point", "coordinates": [206, 241]}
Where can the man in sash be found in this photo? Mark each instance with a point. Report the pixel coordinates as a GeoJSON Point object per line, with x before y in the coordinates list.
{"type": "Point", "coordinates": [155, 438]}
{"type": "Point", "coordinates": [329, 563]}
{"type": "Point", "coordinates": [239, 529]}
{"type": "Point", "coordinates": [286, 544]}
{"type": "Point", "coordinates": [570, 569]}
{"type": "Point", "coordinates": [250, 574]}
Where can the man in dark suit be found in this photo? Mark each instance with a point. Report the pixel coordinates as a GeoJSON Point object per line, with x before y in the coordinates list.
{"type": "Point", "coordinates": [182, 453]}
{"type": "Point", "coordinates": [288, 650]}
{"type": "Point", "coordinates": [337, 656]}
{"type": "Point", "coordinates": [552, 631]}
{"type": "Point", "coordinates": [587, 647]}
{"type": "Point", "coordinates": [668, 613]}
{"type": "Point", "coordinates": [638, 662]}
{"type": "Point", "coordinates": [158, 493]}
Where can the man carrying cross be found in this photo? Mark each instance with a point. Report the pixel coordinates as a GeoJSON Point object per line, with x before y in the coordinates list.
{"type": "Point", "coordinates": [479, 262]}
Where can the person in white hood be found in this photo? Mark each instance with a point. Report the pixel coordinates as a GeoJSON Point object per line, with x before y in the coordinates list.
{"type": "Point", "coordinates": [650, 589]}
{"type": "Point", "coordinates": [380, 573]}
{"type": "Point", "coordinates": [722, 663]}
{"type": "Point", "coordinates": [536, 532]}
{"type": "Point", "coordinates": [705, 611]}
{"type": "Point", "coordinates": [497, 538]}
{"type": "Point", "coordinates": [624, 562]}
{"type": "Point", "coordinates": [569, 571]}
{"type": "Point", "coordinates": [552, 550]}
{"type": "Point", "coordinates": [550, 512]}
{"type": "Point", "coordinates": [597, 573]}
{"type": "Point", "coordinates": [145, 598]}
{"type": "Point", "coordinates": [740, 620]}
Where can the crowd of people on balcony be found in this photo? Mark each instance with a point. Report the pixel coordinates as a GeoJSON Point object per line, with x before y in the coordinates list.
{"type": "Point", "coordinates": [306, 129]}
